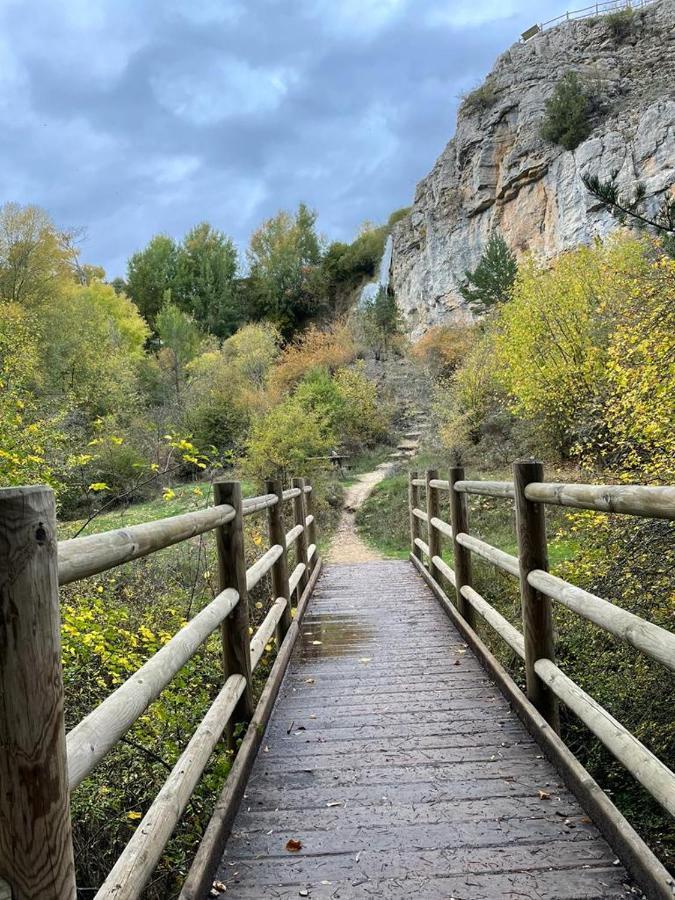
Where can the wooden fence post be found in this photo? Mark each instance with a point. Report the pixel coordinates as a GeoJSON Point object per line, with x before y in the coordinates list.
{"type": "Point", "coordinates": [300, 510]}
{"type": "Point", "coordinates": [36, 847]}
{"type": "Point", "coordinates": [459, 515]}
{"type": "Point", "coordinates": [536, 607]}
{"type": "Point", "coordinates": [311, 531]}
{"type": "Point", "coordinates": [232, 574]}
{"type": "Point", "coordinates": [434, 534]}
{"type": "Point", "coordinates": [280, 568]}
{"type": "Point", "coordinates": [413, 500]}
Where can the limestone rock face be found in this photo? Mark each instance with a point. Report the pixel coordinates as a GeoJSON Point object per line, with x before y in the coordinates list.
{"type": "Point", "coordinates": [497, 171]}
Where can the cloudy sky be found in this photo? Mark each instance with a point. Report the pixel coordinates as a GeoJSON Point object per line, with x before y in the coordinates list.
{"type": "Point", "coordinates": [130, 117]}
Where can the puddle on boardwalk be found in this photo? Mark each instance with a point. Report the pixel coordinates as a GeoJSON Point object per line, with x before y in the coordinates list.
{"type": "Point", "coordinates": [330, 634]}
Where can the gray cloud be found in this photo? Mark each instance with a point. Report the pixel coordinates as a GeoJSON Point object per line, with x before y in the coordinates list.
{"type": "Point", "coordinates": [130, 118]}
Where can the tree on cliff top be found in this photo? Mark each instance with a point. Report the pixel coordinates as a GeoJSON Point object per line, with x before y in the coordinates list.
{"type": "Point", "coordinates": [491, 281]}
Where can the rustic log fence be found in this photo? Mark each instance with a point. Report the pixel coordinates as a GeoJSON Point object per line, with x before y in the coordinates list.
{"type": "Point", "coordinates": [546, 683]}
{"type": "Point", "coordinates": [40, 765]}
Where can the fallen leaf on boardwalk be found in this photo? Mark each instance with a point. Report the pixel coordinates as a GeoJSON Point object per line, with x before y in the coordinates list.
{"type": "Point", "coordinates": [584, 820]}
{"type": "Point", "coordinates": [317, 642]}
{"type": "Point", "coordinates": [334, 803]}
{"type": "Point", "coordinates": [293, 846]}
{"type": "Point", "coordinates": [303, 892]}
{"type": "Point", "coordinates": [309, 681]}
{"type": "Point", "coordinates": [219, 886]}
{"type": "Point", "coordinates": [544, 795]}
{"type": "Point", "coordinates": [457, 662]}
{"type": "Point", "coordinates": [365, 659]}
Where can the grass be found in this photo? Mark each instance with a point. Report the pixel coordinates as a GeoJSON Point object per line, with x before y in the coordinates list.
{"type": "Point", "coordinates": [186, 497]}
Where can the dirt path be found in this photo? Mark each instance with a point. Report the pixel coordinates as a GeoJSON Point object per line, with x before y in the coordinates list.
{"type": "Point", "coordinates": [347, 546]}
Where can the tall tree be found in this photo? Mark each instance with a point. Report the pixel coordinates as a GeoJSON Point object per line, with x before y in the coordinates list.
{"type": "Point", "coordinates": [205, 280]}
{"type": "Point", "coordinates": [491, 281]}
{"type": "Point", "coordinates": [285, 283]}
{"type": "Point", "coordinates": [151, 273]}
{"type": "Point", "coordinates": [34, 255]}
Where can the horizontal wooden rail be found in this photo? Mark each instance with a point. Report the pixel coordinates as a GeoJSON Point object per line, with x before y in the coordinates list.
{"type": "Point", "coordinates": [295, 576]}
{"type": "Point", "coordinates": [84, 556]}
{"type": "Point", "coordinates": [631, 499]}
{"type": "Point", "coordinates": [309, 521]}
{"type": "Point", "coordinates": [424, 547]}
{"type": "Point", "coordinates": [652, 640]}
{"type": "Point", "coordinates": [492, 554]}
{"type": "Point", "coordinates": [261, 566]}
{"type": "Point", "coordinates": [487, 488]}
{"type": "Point", "coordinates": [441, 526]}
{"type": "Point", "coordinates": [311, 550]}
{"type": "Point", "coordinates": [546, 684]}
{"type": "Point", "coordinates": [89, 742]}
{"type": "Point", "coordinates": [293, 535]}
{"type": "Point", "coordinates": [439, 484]}
{"type": "Point", "coordinates": [292, 493]}
{"type": "Point", "coordinates": [640, 762]}
{"type": "Point", "coordinates": [135, 865]}
{"type": "Point", "coordinates": [444, 569]}
{"type": "Point", "coordinates": [266, 630]}
{"type": "Point", "coordinates": [258, 504]}
{"type": "Point", "coordinates": [501, 625]}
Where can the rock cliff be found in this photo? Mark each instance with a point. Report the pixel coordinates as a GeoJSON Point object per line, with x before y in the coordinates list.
{"type": "Point", "coordinates": [497, 172]}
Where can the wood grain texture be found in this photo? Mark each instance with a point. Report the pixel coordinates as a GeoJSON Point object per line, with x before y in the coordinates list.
{"type": "Point", "coordinates": [433, 513]}
{"type": "Point", "coordinates": [631, 499]}
{"type": "Point", "coordinates": [536, 607]}
{"type": "Point", "coordinates": [36, 850]}
{"type": "Point", "coordinates": [85, 556]}
{"type": "Point", "coordinates": [413, 504]}
{"type": "Point", "coordinates": [277, 535]}
{"type": "Point", "coordinates": [300, 514]}
{"type": "Point", "coordinates": [459, 519]}
{"type": "Point", "coordinates": [232, 574]}
{"type": "Point", "coordinates": [401, 769]}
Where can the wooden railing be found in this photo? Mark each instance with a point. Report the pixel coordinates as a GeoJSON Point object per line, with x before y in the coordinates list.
{"type": "Point", "coordinates": [39, 764]}
{"type": "Point", "coordinates": [546, 682]}
{"type": "Point", "coordinates": [605, 7]}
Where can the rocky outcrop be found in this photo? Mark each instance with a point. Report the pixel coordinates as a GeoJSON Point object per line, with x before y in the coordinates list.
{"type": "Point", "coordinates": [497, 172]}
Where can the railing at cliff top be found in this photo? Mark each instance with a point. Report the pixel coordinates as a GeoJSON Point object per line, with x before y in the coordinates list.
{"type": "Point", "coordinates": [587, 12]}
{"type": "Point", "coordinates": [546, 682]}
{"type": "Point", "coordinates": [40, 765]}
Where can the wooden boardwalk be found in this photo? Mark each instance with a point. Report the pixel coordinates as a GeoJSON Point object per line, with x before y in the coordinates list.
{"type": "Point", "coordinates": [400, 769]}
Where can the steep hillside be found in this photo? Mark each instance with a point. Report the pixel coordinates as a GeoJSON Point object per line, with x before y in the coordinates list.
{"type": "Point", "coordinates": [498, 172]}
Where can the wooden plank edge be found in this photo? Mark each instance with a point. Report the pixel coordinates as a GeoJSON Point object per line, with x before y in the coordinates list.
{"type": "Point", "coordinates": [200, 877]}
{"type": "Point", "coordinates": [635, 855]}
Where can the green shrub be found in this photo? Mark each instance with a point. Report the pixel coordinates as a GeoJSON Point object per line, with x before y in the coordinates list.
{"type": "Point", "coordinates": [567, 117]}
{"type": "Point", "coordinates": [481, 98]}
{"type": "Point", "coordinates": [620, 24]}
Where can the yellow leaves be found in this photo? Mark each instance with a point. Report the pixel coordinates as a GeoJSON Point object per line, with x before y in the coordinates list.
{"type": "Point", "coordinates": [97, 486]}
{"type": "Point", "coordinates": [168, 494]}
{"type": "Point", "coordinates": [134, 815]}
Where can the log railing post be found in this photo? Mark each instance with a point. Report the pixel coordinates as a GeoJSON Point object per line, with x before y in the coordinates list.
{"type": "Point", "coordinates": [413, 500]}
{"type": "Point", "coordinates": [280, 568]}
{"type": "Point", "coordinates": [459, 515]}
{"type": "Point", "coordinates": [232, 574]}
{"type": "Point", "coordinates": [311, 531]}
{"type": "Point", "coordinates": [36, 848]}
{"type": "Point", "coordinates": [434, 534]}
{"type": "Point", "coordinates": [300, 512]}
{"type": "Point", "coordinates": [536, 607]}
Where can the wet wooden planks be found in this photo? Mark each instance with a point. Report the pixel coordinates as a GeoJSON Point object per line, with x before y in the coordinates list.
{"type": "Point", "coordinates": [400, 768]}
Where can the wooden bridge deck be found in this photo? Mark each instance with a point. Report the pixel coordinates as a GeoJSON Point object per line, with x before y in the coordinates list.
{"type": "Point", "coordinates": [400, 768]}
